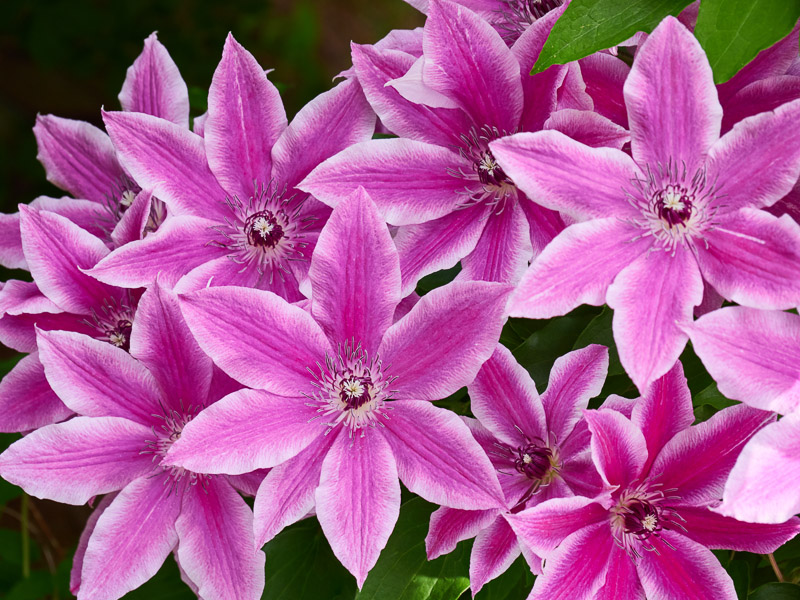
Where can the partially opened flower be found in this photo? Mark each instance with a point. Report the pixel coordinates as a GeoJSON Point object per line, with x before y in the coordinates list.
{"type": "Point", "coordinates": [131, 408]}
{"type": "Point", "coordinates": [649, 535]}
{"type": "Point", "coordinates": [683, 210]}
{"type": "Point", "coordinates": [343, 395]}
{"type": "Point", "coordinates": [440, 181]}
{"type": "Point", "coordinates": [754, 356]}
{"type": "Point", "coordinates": [237, 218]}
{"type": "Point", "coordinates": [539, 446]}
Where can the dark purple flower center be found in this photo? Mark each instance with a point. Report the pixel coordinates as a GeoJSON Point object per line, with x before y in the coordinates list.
{"type": "Point", "coordinates": [517, 15]}
{"type": "Point", "coordinates": [489, 172]}
{"type": "Point", "coordinates": [640, 515]}
{"type": "Point", "coordinates": [533, 461]}
{"type": "Point", "coordinates": [486, 181]}
{"type": "Point", "coordinates": [355, 391]}
{"type": "Point", "coordinates": [673, 204]}
{"type": "Point", "coordinates": [114, 322]}
{"type": "Point", "coordinates": [120, 334]}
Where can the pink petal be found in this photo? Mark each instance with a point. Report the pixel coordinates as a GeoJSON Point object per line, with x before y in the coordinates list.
{"type": "Point", "coordinates": [168, 160]}
{"type": "Point", "coordinates": [440, 345]}
{"type": "Point", "coordinates": [651, 298]}
{"type": "Point", "coordinates": [622, 580]}
{"type": "Point", "coordinates": [575, 378]}
{"type": "Point", "coordinates": [287, 493]}
{"type": "Point", "coordinates": [619, 449]}
{"type": "Point", "coordinates": [215, 548]}
{"type": "Point", "coordinates": [753, 258]}
{"type": "Point", "coordinates": [131, 539]}
{"type": "Point", "coordinates": [73, 461]}
{"type": "Point", "coordinates": [26, 400]}
{"type": "Point", "coordinates": [19, 331]}
{"type": "Point", "coordinates": [94, 217]}
{"type": "Point", "coordinates": [11, 254]}
{"type": "Point", "coordinates": [423, 189]}
{"type": "Point", "coordinates": [245, 118]}
{"type": "Point", "coordinates": [83, 542]}
{"type": "Point", "coordinates": [229, 436]}
{"type": "Point", "coordinates": [588, 128]}
{"type": "Point", "coordinates": [162, 341]}
{"type": "Point", "coordinates": [764, 485]}
{"type": "Point", "coordinates": [544, 224]}
{"type": "Point", "coordinates": [78, 157]}
{"type": "Point", "coordinates": [572, 91]}
{"type": "Point", "coordinates": [256, 337]}
{"type": "Point", "coordinates": [358, 500]}
{"type": "Point", "coordinates": [715, 531]}
{"type": "Point", "coordinates": [438, 458]}
{"type": "Point", "coordinates": [448, 526]}
{"type": "Point", "coordinates": [495, 548]}
{"type": "Point", "coordinates": [468, 61]}
{"type": "Point", "coordinates": [563, 174]}
{"type": "Point", "coordinates": [97, 379]}
{"type": "Point", "coordinates": [223, 271]}
{"type": "Point", "coordinates": [131, 227]}
{"type": "Point", "coordinates": [672, 103]}
{"type": "Point", "coordinates": [576, 268]}
{"type": "Point", "coordinates": [758, 97]}
{"type": "Point", "coordinates": [355, 274]}
{"type": "Point", "coordinates": [504, 398]}
{"type": "Point", "coordinates": [604, 76]}
{"type": "Point", "coordinates": [21, 297]}
{"type": "Point", "coordinates": [153, 85]}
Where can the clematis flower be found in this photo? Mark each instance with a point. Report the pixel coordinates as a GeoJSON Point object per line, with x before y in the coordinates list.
{"type": "Point", "coordinates": [341, 406]}
{"type": "Point", "coordinates": [683, 210]}
{"type": "Point", "coordinates": [237, 218]}
{"type": "Point", "coordinates": [440, 181]}
{"type": "Point", "coordinates": [132, 408]}
{"type": "Point", "coordinates": [754, 356]}
{"type": "Point", "coordinates": [649, 535]}
{"type": "Point", "coordinates": [539, 446]}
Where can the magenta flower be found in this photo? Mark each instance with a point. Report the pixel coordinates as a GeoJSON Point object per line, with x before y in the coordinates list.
{"type": "Point", "coordinates": [343, 394]}
{"type": "Point", "coordinates": [440, 180]}
{"type": "Point", "coordinates": [132, 408]}
{"type": "Point", "coordinates": [754, 356]}
{"type": "Point", "coordinates": [684, 209]}
{"type": "Point", "coordinates": [539, 445]}
{"type": "Point", "coordinates": [649, 535]}
{"type": "Point", "coordinates": [238, 219]}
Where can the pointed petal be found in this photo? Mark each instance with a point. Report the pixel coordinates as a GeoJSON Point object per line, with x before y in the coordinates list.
{"type": "Point", "coordinates": [245, 118]}
{"type": "Point", "coordinates": [97, 379]}
{"type": "Point", "coordinates": [21, 297]}
{"type": "Point", "coordinates": [216, 550]}
{"type": "Point", "coordinates": [131, 227]}
{"type": "Point", "coordinates": [170, 161]}
{"type": "Point", "coordinates": [604, 76]}
{"type": "Point", "coordinates": [131, 539]}
{"type": "Point", "coordinates": [576, 268]}
{"type": "Point", "coordinates": [256, 337]}
{"type": "Point", "coordinates": [11, 254]}
{"type": "Point", "coordinates": [162, 341]}
{"type": "Point", "coordinates": [588, 127]}
{"type": "Point", "coordinates": [228, 436]}
{"type": "Point", "coordinates": [358, 499]}
{"type": "Point", "coordinates": [753, 355]}
{"type": "Point", "coordinates": [71, 462]}
{"type": "Point", "coordinates": [153, 85]}
{"type": "Point", "coordinates": [712, 530]}
{"type": "Point", "coordinates": [423, 189]}
{"type": "Point", "coordinates": [448, 526]}
{"type": "Point", "coordinates": [78, 157]}
{"type": "Point", "coordinates": [504, 398]}
{"type": "Point", "coordinates": [19, 331]}
{"type": "Point", "coordinates": [440, 345]}
{"type": "Point", "coordinates": [287, 493]}
{"type": "Point", "coordinates": [355, 274]}
{"type": "Point", "coordinates": [763, 485]}
{"type": "Point", "coordinates": [622, 580]}
{"type": "Point", "coordinates": [619, 449]}
{"type": "Point", "coordinates": [495, 549]}
{"type": "Point", "coordinates": [673, 108]}
{"type": "Point", "coordinates": [651, 297]}
{"type": "Point", "coordinates": [566, 175]}
{"type": "Point", "coordinates": [438, 458]}
{"type": "Point", "coordinates": [94, 217]}
{"type": "Point", "coordinates": [26, 400]}
{"type": "Point", "coordinates": [83, 542]}
{"type": "Point", "coordinates": [753, 258]}
{"type": "Point", "coordinates": [759, 97]}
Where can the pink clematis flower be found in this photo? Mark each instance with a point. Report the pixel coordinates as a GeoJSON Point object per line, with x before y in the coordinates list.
{"type": "Point", "coordinates": [132, 408]}
{"type": "Point", "coordinates": [440, 181]}
{"type": "Point", "coordinates": [754, 356]}
{"type": "Point", "coordinates": [79, 158]}
{"type": "Point", "coordinates": [238, 219]}
{"type": "Point", "coordinates": [649, 535]}
{"type": "Point", "coordinates": [539, 445]}
{"type": "Point", "coordinates": [684, 209]}
{"type": "Point", "coordinates": [342, 395]}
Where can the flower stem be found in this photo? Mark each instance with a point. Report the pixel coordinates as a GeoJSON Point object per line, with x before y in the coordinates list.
{"type": "Point", "coordinates": [26, 542]}
{"type": "Point", "coordinates": [775, 567]}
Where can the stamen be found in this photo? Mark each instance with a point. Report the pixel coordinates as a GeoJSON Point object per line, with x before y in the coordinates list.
{"type": "Point", "coordinates": [517, 15]}
{"type": "Point", "coordinates": [113, 322]}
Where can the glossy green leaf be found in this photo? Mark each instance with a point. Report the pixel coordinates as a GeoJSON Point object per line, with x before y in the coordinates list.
{"type": "Point", "coordinates": [514, 584]}
{"type": "Point", "coordinates": [164, 585]}
{"type": "Point", "coordinates": [732, 32]}
{"type": "Point", "coordinates": [776, 591]}
{"type": "Point", "coordinates": [591, 25]}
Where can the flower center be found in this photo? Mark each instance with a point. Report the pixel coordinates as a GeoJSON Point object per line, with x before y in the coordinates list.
{"type": "Point", "coordinates": [534, 461]}
{"type": "Point", "coordinates": [351, 389]}
{"type": "Point", "coordinates": [640, 514]}
{"type": "Point", "coordinates": [486, 180]}
{"type": "Point", "coordinates": [263, 229]}
{"type": "Point", "coordinates": [166, 434]}
{"type": "Point", "coordinates": [517, 15]}
{"type": "Point", "coordinates": [113, 323]}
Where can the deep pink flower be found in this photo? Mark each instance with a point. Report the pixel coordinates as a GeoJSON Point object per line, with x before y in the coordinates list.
{"type": "Point", "coordinates": [539, 446]}
{"type": "Point", "coordinates": [237, 217]}
{"type": "Point", "coordinates": [684, 209]}
{"type": "Point", "coordinates": [343, 394]}
{"type": "Point", "coordinates": [649, 535]}
{"type": "Point", "coordinates": [132, 408]}
{"type": "Point", "coordinates": [440, 180]}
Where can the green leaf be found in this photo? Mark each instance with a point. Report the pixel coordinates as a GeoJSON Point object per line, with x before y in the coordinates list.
{"type": "Point", "coordinates": [591, 25]}
{"type": "Point", "coordinates": [599, 332]}
{"type": "Point", "coordinates": [301, 566]}
{"type": "Point", "coordinates": [438, 279]}
{"type": "Point", "coordinates": [403, 571]}
{"type": "Point", "coordinates": [515, 583]}
{"type": "Point", "coordinates": [732, 32]}
{"type": "Point", "coordinates": [164, 585]}
{"type": "Point", "coordinates": [776, 591]}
